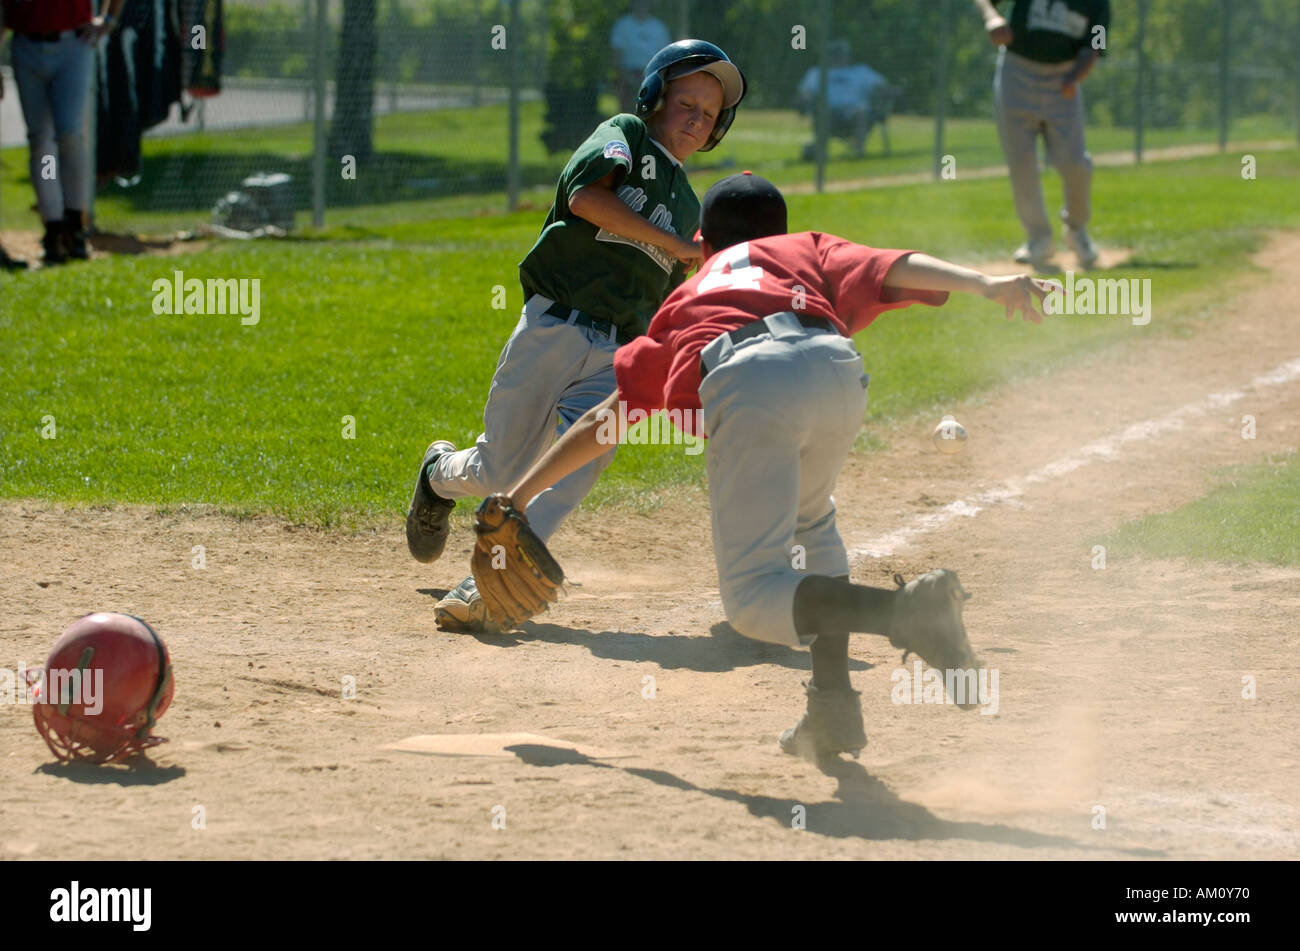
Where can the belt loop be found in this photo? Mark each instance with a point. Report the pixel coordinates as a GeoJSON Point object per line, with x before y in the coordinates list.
{"type": "Point", "coordinates": [613, 333]}
{"type": "Point", "coordinates": [573, 316]}
{"type": "Point", "coordinates": [783, 325]}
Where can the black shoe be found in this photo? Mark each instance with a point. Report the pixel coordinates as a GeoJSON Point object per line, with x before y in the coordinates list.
{"type": "Point", "coordinates": [55, 252]}
{"type": "Point", "coordinates": [428, 518]}
{"type": "Point", "coordinates": [831, 725]}
{"type": "Point", "coordinates": [74, 236]}
{"type": "Point", "coordinates": [11, 264]}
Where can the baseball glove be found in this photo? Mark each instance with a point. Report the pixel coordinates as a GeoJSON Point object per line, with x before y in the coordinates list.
{"type": "Point", "coordinates": [515, 574]}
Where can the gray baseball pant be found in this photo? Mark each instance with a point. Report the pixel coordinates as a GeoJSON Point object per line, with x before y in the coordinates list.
{"type": "Point", "coordinates": [782, 413]}
{"type": "Point", "coordinates": [1028, 101]}
{"type": "Point", "coordinates": [549, 374]}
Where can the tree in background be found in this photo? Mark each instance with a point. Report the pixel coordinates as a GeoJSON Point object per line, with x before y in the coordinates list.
{"type": "Point", "coordinates": [352, 127]}
{"type": "Point", "coordinates": [577, 65]}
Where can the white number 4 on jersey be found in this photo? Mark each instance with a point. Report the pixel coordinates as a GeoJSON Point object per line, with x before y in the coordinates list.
{"type": "Point", "coordinates": [731, 268]}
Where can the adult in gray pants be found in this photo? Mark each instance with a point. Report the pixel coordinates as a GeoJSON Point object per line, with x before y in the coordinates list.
{"type": "Point", "coordinates": [52, 56]}
{"type": "Point", "coordinates": [1047, 49]}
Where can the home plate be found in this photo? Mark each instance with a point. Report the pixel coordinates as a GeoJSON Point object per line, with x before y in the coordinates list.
{"type": "Point", "coordinates": [523, 745]}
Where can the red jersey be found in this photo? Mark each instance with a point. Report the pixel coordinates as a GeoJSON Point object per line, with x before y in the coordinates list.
{"type": "Point", "coordinates": [46, 16]}
{"type": "Point", "coordinates": [808, 273]}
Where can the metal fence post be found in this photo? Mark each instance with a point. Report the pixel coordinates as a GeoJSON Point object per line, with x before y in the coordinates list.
{"type": "Point", "coordinates": [389, 39]}
{"type": "Point", "coordinates": [941, 83]}
{"type": "Point", "coordinates": [318, 151]}
{"type": "Point", "coordinates": [308, 38]}
{"type": "Point", "coordinates": [1224, 60]}
{"type": "Point", "coordinates": [1139, 118]}
{"type": "Point", "coordinates": [512, 55]}
{"type": "Point", "coordinates": [822, 122]}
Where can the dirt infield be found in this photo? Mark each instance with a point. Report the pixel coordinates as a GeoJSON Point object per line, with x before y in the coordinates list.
{"type": "Point", "coordinates": [1120, 688]}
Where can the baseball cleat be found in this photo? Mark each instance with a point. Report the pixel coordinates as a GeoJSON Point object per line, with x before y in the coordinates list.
{"type": "Point", "coordinates": [831, 725]}
{"type": "Point", "coordinates": [462, 610]}
{"type": "Point", "coordinates": [74, 236]}
{"type": "Point", "coordinates": [428, 520]}
{"type": "Point", "coordinates": [1083, 247]}
{"type": "Point", "coordinates": [1037, 253]}
{"type": "Point", "coordinates": [927, 622]}
{"type": "Point", "coordinates": [52, 243]}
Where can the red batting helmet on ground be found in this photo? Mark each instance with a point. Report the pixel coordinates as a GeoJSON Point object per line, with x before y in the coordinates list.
{"type": "Point", "coordinates": [107, 681]}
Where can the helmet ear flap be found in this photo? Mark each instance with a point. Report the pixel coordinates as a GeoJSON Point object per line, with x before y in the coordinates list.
{"type": "Point", "coordinates": [650, 94]}
{"type": "Point", "coordinates": [720, 127]}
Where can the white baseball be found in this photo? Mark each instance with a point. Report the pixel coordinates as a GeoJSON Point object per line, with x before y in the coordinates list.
{"type": "Point", "coordinates": [950, 436]}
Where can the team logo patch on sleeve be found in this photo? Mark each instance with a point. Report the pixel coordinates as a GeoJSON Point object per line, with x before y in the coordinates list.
{"type": "Point", "coordinates": [618, 150]}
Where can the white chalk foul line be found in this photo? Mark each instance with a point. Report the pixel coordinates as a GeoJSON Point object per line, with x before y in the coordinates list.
{"type": "Point", "coordinates": [1103, 448]}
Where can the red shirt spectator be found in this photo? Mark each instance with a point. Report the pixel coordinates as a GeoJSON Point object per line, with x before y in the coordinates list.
{"type": "Point", "coordinates": [46, 16]}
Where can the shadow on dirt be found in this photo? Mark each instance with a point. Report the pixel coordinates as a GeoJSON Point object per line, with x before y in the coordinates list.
{"type": "Point", "coordinates": [137, 771]}
{"type": "Point", "coordinates": [724, 649]}
{"type": "Point", "coordinates": [863, 808]}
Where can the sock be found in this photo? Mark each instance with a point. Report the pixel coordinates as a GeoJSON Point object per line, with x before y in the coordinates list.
{"type": "Point", "coordinates": [830, 662]}
{"type": "Point", "coordinates": [832, 608]}
{"type": "Point", "coordinates": [825, 605]}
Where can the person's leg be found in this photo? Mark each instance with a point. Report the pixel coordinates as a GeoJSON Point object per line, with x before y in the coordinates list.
{"type": "Point", "coordinates": [755, 439]}
{"type": "Point", "coordinates": [33, 78]}
{"type": "Point", "coordinates": [69, 91]}
{"type": "Point", "coordinates": [1019, 125]}
{"type": "Point", "coordinates": [858, 127]}
{"type": "Point", "coordinates": [540, 360]}
{"type": "Point", "coordinates": [834, 362]}
{"type": "Point", "coordinates": [552, 506]}
{"type": "Point", "coordinates": [519, 422]}
{"type": "Point", "coordinates": [1067, 150]}
{"type": "Point", "coordinates": [580, 364]}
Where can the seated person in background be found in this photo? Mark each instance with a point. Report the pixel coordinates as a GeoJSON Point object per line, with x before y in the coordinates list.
{"type": "Point", "coordinates": [850, 91]}
{"type": "Point", "coordinates": [636, 37]}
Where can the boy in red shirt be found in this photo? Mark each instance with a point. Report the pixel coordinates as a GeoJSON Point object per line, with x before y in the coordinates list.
{"type": "Point", "coordinates": [760, 338]}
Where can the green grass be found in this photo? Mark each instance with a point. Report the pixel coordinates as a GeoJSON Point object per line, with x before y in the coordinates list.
{"type": "Point", "coordinates": [1253, 517]}
{"type": "Point", "coordinates": [452, 163]}
{"type": "Point", "coordinates": [393, 326]}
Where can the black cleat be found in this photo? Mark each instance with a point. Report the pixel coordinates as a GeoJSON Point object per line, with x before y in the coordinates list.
{"type": "Point", "coordinates": [428, 519]}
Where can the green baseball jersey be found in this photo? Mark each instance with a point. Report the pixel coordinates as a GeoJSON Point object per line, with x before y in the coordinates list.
{"type": "Point", "coordinates": [1053, 31]}
{"type": "Point", "coordinates": [604, 274]}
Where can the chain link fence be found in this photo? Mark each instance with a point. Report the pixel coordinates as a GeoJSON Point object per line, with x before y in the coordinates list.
{"type": "Point", "coordinates": [381, 111]}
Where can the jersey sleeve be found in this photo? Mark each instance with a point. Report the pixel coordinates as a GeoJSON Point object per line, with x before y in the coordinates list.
{"type": "Point", "coordinates": [606, 150]}
{"type": "Point", "coordinates": [641, 368]}
{"type": "Point", "coordinates": [855, 281]}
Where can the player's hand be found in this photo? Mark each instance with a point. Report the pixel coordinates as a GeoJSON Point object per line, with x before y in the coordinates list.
{"type": "Point", "coordinates": [1020, 293]}
{"type": "Point", "coordinates": [690, 253]}
{"type": "Point", "coordinates": [92, 32]}
{"type": "Point", "coordinates": [999, 31]}
{"type": "Point", "coordinates": [1069, 86]}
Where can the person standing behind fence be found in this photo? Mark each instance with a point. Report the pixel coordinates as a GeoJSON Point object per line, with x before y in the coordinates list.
{"type": "Point", "coordinates": [1048, 48]}
{"type": "Point", "coordinates": [635, 38]}
{"type": "Point", "coordinates": [52, 57]}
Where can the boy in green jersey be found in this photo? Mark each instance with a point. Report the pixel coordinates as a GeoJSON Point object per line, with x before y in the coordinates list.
{"type": "Point", "coordinates": [618, 239]}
